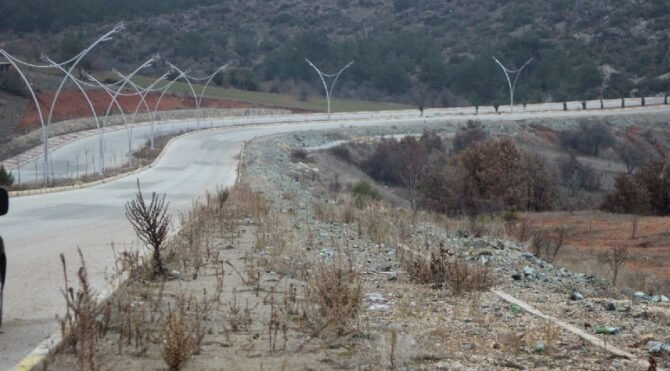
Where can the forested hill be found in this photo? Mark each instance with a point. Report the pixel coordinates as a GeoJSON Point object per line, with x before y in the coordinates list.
{"type": "Point", "coordinates": [434, 51]}
{"type": "Point", "coordinates": [53, 16]}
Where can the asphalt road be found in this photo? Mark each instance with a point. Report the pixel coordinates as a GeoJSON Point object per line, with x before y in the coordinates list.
{"type": "Point", "coordinates": [39, 228]}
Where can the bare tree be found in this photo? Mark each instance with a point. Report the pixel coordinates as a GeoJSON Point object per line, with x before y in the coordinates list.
{"type": "Point", "coordinates": [635, 223]}
{"type": "Point", "coordinates": [151, 223]}
{"type": "Point", "coordinates": [616, 258]}
{"type": "Point", "coordinates": [633, 156]}
{"type": "Point", "coordinates": [577, 175]}
{"type": "Point", "coordinates": [412, 162]}
{"type": "Point", "coordinates": [589, 138]}
{"type": "Point", "coordinates": [471, 133]}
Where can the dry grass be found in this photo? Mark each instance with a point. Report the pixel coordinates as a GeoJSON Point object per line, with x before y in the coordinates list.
{"type": "Point", "coordinates": [79, 326]}
{"type": "Point", "coordinates": [591, 234]}
{"type": "Point", "coordinates": [183, 331]}
{"type": "Point", "coordinates": [333, 296]}
{"type": "Point", "coordinates": [442, 269]}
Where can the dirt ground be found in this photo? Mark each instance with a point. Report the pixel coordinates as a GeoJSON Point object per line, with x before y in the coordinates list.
{"type": "Point", "coordinates": [591, 234]}
{"type": "Point", "coordinates": [241, 277]}
{"type": "Point", "coordinates": [71, 105]}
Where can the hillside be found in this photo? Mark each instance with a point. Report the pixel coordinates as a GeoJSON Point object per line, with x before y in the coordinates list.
{"type": "Point", "coordinates": [296, 269]}
{"type": "Point", "coordinates": [434, 52]}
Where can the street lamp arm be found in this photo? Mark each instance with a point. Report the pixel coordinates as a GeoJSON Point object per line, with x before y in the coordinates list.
{"type": "Point", "coordinates": [77, 82]}
{"type": "Point", "coordinates": [517, 73]}
{"type": "Point", "coordinates": [188, 81]}
{"type": "Point", "coordinates": [324, 76]}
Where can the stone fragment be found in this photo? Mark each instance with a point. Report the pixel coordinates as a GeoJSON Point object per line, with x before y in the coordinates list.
{"type": "Point", "coordinates": [528, 271]}
{"type": "Point", "coordinates": [658, 348]}
{"type": "Point", "coordinates": [576, 296]}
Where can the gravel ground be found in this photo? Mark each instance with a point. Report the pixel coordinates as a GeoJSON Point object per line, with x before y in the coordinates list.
{"type": "Point", "coordinates": [427, 319]}
{"type": "Point", "coordinates": [404, 325]}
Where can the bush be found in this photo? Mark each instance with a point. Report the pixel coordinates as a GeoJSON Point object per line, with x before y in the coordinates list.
{"type": "Point", "coordinates": [333, 295]}
{"type": "Point", "coordinates": [342, 153]}
{"type": "Point", "coordinates": [6, 178]}
{"type": "Point", "coordinates": [399, 162]}
{"type": "Point", "coordinates": [547, 245]}
{"type": "Point", "coordinates": [629, 197]}
{"type": "Point", "coordinates": [182, 333]}
{"type": "Point", "coordinates": [577, 176]}
{"type": "Point", "coordinates": [589, 138]}
{"type": "Point", "coordinates": [632, 156]}
{"type": "Point", "coordinates": [151, 224]}
{"type": "Point", "coordinates": [12, 83]}
{"type": "Point", "coordinates": [364, 193]}
{"type": "Point", "coordinates": [489, 177]}
{"type": "Point", "coordinates": [473, 132]}
{"type": "Point", "coordinates": [300, 155]}
{"type": "Point", "coordinates": [458, 275]}
{"type": "Point", "coordinates": [647, 191]}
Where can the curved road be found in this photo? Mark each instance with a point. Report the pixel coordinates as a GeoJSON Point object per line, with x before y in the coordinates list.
{"type": "Point", "coordinates": [39, 228]}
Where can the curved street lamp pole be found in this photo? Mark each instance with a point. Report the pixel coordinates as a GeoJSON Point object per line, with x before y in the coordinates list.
{"type": "Point", "coordinates": [149, 89]}
{"type": "Point", "coordinates": [209, 79]}
{"type": "Point", "coordinates": [325, 76]}
{"type": "Point", "coordinates": [188, 81]}
{"type": "Point", "coordinates": [74, 61]}
{"type": "Point", "coordinates": [142, 93]}
{"type": "Point", "coordinates": [165, 89]}
{"type": "Point", "coordinates": [512, 84]}
{"type": "Point", "coordinates": [113, 100]}
{"type": "Point", "coordinates": [45, 137]}
{"type": "Point", "coordinates": [118, 92]}
{"type": "Point", "coordinates": [79, 84]}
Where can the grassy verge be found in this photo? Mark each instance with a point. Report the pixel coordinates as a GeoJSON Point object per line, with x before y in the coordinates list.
{"type": "Point", "coordinates": [279, 100]}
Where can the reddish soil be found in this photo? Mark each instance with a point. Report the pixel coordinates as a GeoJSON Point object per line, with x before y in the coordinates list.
{"type": "Point", "coordinates": [71, 105]}
{"type": "Point", "coordinates": [592, 234]}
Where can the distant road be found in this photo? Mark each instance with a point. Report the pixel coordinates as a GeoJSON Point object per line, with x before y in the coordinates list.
{"type": "Point", "coordinates": [39, 228]}
{"type": "Point", "coordinates": [82, 156]}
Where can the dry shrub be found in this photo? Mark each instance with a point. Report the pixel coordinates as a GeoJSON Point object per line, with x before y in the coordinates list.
{"type": "Point", "coordinates": [79, 327]}
{"type": "Point", "coordinates": [510, 341]}
{"type": "Point", "coordinates": [550, 335]}
{"type": "Point", "coordinates": [377, 224]}
{"type": "Point", "coordinates": [615, 258]}
{"type": "Point", "coordinates": [131, 263]}
{"type": "Point", "coordinates": [151, 224]}
{"type": "Point", "coordinates": [343, 153]}
{"type": "Point", "coordinates": [547, 245]}
{"type": "Point", "coordinates": [547, 333]}
{"type": "Point", "coordinates": [325, 212]}
{"type": "Point", "coordinates": [348, 212]}
{"type": "Point", "coordinates": [183, 332]}
{"type": "Point", "coordinates": [238, 318]}
{"type": "Point", "coordinates": [521, 229]}
{"type": "Point", "coordinates": [246, 203]}
{"type": "Point", "coordinates": [268, 231]}
{"type": "Point", "coordinates": [459, 275]}
{"type": "Point", "coordinates": [333, 296]}
{"type": "Point", "coordinates": [301, 155]}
